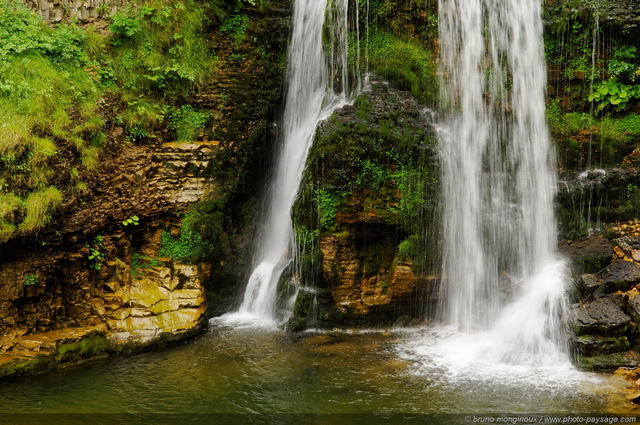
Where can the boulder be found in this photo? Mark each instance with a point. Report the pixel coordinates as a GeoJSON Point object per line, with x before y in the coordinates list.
{"type": "Point", "coordinates": [634, 308]}
{"type": "Point", "coordinates": [600, 317]}
{"type": "Point", "coordinates": [588, 255]}
{"type": "Point", "coordinates": [618, 276]}
{"type": "Point", "coordinates": [595, 345]}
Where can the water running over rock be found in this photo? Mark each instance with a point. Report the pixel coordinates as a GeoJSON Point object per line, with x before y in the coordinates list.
{"type": "Point", "coordinates": [317, 84]}
{"type": "Point", "coordinates": [501, 274]}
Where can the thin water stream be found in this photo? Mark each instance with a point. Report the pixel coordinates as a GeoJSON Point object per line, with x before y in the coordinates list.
{"type": "Point", "coordinates": [252, 371]}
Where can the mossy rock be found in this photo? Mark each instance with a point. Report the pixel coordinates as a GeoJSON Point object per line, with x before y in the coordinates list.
{"type": "Point", "coordinates": [608, 362]}
{"type": "Point", "coordinates": [594, 345]}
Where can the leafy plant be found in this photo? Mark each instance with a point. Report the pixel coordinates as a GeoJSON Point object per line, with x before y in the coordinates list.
{"type": "Point", "coordinates": [96, 254]}
{"type": "Point", "coordinates": [236, 27]}
{"type": "Point", "coordinates": [613, 93]}
{"type": "Point", "coordinates": [30, 280]}
{"type": "Point", "coordinates": [131, 221]}
{"type": "Point", "coordinates": [187, 122]}
{"type": "Point", "coordinates": [326, 203]}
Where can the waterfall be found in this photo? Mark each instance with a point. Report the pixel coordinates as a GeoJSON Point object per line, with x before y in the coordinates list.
{"type": "Point", "coordinates": [317, 84]}
{"type": "Point", "coordinates": [500, 271]}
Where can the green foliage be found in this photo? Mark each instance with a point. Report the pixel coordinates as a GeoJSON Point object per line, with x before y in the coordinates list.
{"type": "Point", "coordinates": [236, 27]}
{"type": "Point", "coordinates": [187, 122]}
{"type": "Point", "coordinates": [160, 52]}
{"type": "Point", "coordinates": [48, 99]}
{"type": "Point", "coordinates": [30, 280]}
{"type": "Point", "coordinates": [190, 246]}
{"type": "Point", "coordinates": [613, 93]}
{"type": "Point", "coordinates": [161, 48]}
{"type": "Point", "coordinates": [131, 221]}
{"type": "Point", "coordinates": [8, 204]}
{"type": "Point", "coordinates": [407, 65]}
{"type": "Point", "coordinates": [39, 205]}
{"type": "Point", "coordinates": [407, 248]}
{"type": "Point", "coordinates": [624, 64]}
{"type": "Point", "coordinates": [306, 238]}
{"type": "Point", "coordinates": [372, 173]}
{"type": "Point", "coordinates": [96, 255]}
{"type": "Point", "coordinates": [140, 262]}
{"type": "Point", "coordinates": [326, 203]}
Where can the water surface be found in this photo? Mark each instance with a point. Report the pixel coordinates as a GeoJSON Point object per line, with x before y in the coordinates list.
{"type": "Point", "coordinates": [260, 371]}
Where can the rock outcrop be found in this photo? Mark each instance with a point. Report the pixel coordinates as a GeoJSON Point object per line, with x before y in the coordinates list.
{"type": "Point", "coordinates": [602, 322]}
{"type": "Point", "coordinates": [92, 272]}
{"type": "Point", "coordinates": [369, 184]}
{"type": "Point", "coordinates": [83, 11]}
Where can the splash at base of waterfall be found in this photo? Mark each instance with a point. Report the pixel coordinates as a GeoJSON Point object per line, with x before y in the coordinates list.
{"type": "Point", "coordinates": [526, 343]}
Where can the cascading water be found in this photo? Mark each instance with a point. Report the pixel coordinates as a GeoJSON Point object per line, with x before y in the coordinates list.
{"type": "Point", "coordinates": [317, 84]}
{"type": "Point", "coordinates": [501, 277]}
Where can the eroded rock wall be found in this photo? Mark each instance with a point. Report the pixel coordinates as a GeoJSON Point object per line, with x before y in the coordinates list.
{"type": "Point", "coordinates": [83, 11]}
{"type": "Point", "coordinates": [92, 271]}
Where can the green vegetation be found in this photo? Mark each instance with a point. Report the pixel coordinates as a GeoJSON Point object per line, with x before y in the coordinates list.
{"type": "Point", "coordinates": [406, 64]}
{"type": "Point", "coordinates": [131, 221]}
{"type": "Point", "coordinates": [160, 48]}
{"type": "Point", "coordinates": [611, 137]}
{"type": "Point", "coordinates": [187, 122]}
{"type": "Point", "coordinates": [236, 27]}
{"type": "Point", "coordinates": [96, 255]}
{"type": "Point", "coordinates": [613, 93]}
{"type": "Point", "coordinates": [190, 246]}
{"type": "Point", "coordinates": [140, 262]}
{"type": "Point", "coordinates": [30, 280]}
{"type": "Point", "coordinates": [38, 206]}
{"type": "Point", "coordinates": [48, 111]}
{"type": "Point", "coordinates": [52, 81]}
{"type": "Point", "coordinates": [326, 203]}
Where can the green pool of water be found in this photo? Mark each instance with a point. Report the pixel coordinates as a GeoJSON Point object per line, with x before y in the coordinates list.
{"type": "Point", "coordinates": [254, 372]}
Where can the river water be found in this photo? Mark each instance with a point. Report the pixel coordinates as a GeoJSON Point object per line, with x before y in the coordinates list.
{"type": "Point", "coordinates": [265, 371]}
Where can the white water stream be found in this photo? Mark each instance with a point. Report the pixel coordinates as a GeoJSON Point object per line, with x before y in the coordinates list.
{"type": "Point", "coordinates": [317, 84]}
{"type": "Point", "coordinates": [503, 285]}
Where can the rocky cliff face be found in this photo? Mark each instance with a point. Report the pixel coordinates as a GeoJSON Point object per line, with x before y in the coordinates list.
{"type": "Point", "coordinates": [370, 183]}
{"type": "Point", "coordinates": [94, 271]}
{"type": "Point", "coordinates": [128, 262]}
{"type": "Point", "coordinates": [90, 11]}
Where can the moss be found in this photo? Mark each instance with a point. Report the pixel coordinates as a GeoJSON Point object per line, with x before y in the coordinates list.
{"type": "Point", "coordinates": [605, 362]}
{"type": "Point", "coordinates": [406, 64]}
{"type": "Point", "coordinates": [91, 345]}
{"type": "Point", "coordinates": [594, 264]}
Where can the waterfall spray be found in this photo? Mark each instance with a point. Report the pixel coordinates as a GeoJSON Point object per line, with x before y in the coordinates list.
{"type": "Point", "coordinates": [500, 271]}
{"type": "Point", "coordinates": [317, 84]}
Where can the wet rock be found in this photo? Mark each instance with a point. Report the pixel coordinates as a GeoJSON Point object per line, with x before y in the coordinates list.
{"type": "Point", "coordinates": [600, 317]}
{"type": "Point", "coordinates": [587, 284]}
{"type": "Point", "coordinates": [634, 308]}
{"type": "Point", "coordinates": [608, 362]}
{"type": "Point", "coordinates": [588, 255]}
{"type": "Point", "coordinates": [619, 275]}
{"type": "Point", "coordinates": [594, 345]}
{"type": "Point", "coordinates": [402, 321]}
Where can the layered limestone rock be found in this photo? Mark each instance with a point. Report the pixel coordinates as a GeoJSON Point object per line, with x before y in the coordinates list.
{"type": "Point", "coordinates": [84, 11]}
{"type": "Point", "coordinates": [91, 272]}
